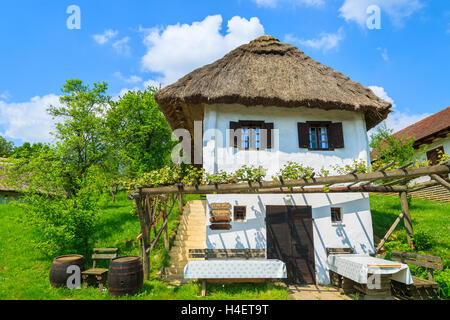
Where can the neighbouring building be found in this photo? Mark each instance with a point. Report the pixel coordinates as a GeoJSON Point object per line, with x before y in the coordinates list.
{"type": "Point", "coordinates": [267, 103]}
{"type": "Point", "coordinates": [433, 134]}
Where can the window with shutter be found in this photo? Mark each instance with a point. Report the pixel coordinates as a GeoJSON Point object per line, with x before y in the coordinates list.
{"type": "Point", "coordinates": [251, 135]}
{"type": "Point", "coordinates": [320, 135]}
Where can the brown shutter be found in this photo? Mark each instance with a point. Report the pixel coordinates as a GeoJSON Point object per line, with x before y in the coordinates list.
{"type": "Point", "coordinates": [234, 139]}
{"type": "Point", "coordinates": [303, 135]}
{"type": "Point", "coordinates": [269, 127]}
{"type": "Point", "coordinates": [336, 135]}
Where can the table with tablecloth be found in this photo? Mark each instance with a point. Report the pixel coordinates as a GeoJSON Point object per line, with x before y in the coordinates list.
{"type": "Point", "coordinates": [358, 267]}
{"type": "Point", "coordinates": [235, 269]}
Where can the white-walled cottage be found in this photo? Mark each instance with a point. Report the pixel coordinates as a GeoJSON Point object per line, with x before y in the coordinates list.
{"type": "Point", "coordinates": [267, 103]}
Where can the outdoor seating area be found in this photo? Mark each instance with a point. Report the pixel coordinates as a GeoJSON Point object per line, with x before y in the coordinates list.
{"type": "Point", "coordinates": [98, 276]}
{"type": "Point", "coordinates": [226, 266]}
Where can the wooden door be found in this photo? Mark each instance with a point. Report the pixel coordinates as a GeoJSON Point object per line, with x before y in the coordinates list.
{"type": "Point", "coordinates": [290, 239]}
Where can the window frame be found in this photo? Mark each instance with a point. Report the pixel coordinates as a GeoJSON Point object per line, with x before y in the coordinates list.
{"type": "Point", "coordinates": [252, 126]}
{"type": "Point", "coordinates": [318, 125]}
{"type": "Point", "coordinates": [341, 215]}
{"type": "Point", "coordinates": [235, 209]}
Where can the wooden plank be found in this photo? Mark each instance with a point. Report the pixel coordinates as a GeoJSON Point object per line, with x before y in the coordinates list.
{"type": "Point", "coordinates": [220, 226]}
{"type": "Point", "coordinates": [389, 233]}
{"type": "Point", "coordinates": [220, 213]}
{"type": "Point", "coordinates": [220, 206]}
{"type": "Point", "coordinates": [419, 263]}
{"type": "Point", "coordinates": [384, 266]}
{"type": "Point", "coordinates": [220, 220]}
{"type": "Point", "coordinates": [339, 251]}
{"type": "Point", "coordinates": [441, 181]}
{"type": "Point", "coordinates": [103, 256]}
{"type": "Point", "coordinates": [106, 249]}
{"type": "Point", "coordinates": [417, 256]}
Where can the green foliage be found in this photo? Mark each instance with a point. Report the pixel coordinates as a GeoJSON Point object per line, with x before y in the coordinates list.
{"type": "Point", "coordinates": [294, 171]}
{"type": "Point", "coordinates": [390, 148]}
{"type": "Point", "coordinates": [81, 132]}
{"type": "Point", "coordinates": [382, 133]}
{"type": "Point", "coordinates": [6, 148]}
{"type": "Point", "coordinates": [28, 150]}
{"type": "Point", "coordinates": [138, 132]}
{"type": "Point", "coordinates": [423, 241]}
{"type": "Point", "coordinates": [64, 222]}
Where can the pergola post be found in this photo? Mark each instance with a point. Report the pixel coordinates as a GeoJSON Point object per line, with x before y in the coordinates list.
{"type": "Point", "coordinates": [145, 231]}
{"type": "Point", "coordinates": [407, 218]}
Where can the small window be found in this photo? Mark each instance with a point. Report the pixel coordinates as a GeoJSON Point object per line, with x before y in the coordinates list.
{"type": "Point", "coordinates": [240, 213]}
{"type": "Point", "coordinates": [318, 137]}
{"type": "Point", "coordinates": [435, 155]}
{"type": "Point", "coordinates": [336, 215]}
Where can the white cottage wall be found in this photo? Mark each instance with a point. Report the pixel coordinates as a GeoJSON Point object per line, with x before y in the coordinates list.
{"type": "Point", "coordinates": [219, 156]}
{"type": "Point", "coordinates": [355, 230]}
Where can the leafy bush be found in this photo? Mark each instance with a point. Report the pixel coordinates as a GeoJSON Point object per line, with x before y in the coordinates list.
{"type": "Point", "coordinates": [423, 241]}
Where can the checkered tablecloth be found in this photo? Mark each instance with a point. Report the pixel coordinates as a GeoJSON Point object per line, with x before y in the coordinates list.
{"type": "Point", "coordinates": [235, 269]}
{"type": "Point", "coordinates": [356, 267]}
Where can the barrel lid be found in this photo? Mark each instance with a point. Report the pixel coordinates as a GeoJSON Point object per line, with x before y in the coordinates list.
{"type": "Point", "coordinates": [126, 259]}
{"type": "Point", "coordinates": [69, 257]}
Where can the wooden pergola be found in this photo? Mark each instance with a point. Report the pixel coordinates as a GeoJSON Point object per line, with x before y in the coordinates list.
{"type": "Point", "coordinates": [156, 204]}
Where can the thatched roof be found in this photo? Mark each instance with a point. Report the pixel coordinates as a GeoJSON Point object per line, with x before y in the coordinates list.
{"type": "Point", "coordinates": [268, 73]}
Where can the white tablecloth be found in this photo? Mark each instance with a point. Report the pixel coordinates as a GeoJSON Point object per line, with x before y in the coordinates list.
{"type": "Point", "coordinates": [356, 267]}
{"type": "Point", "coordinates": [235, 269]}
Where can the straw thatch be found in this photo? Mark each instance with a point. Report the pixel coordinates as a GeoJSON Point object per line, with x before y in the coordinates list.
{"type": "Point", "coordinates": [268, 73]}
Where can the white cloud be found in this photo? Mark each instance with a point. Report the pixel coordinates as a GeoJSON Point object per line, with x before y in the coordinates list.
{"type": "Point", "coordinates": [325, 42]}
{"type": "Point", "coordinates": [122, 46]}
{"type": "Point", "coordinates": [397, 10]}
{"type": "Point", "coordinates": [179, 49]}
{"type": "Point", "coordinates": [274, 3]}
{"type": "Point", "coordinates": [396, 120]}
{"type": "Point", "coordinates": [152, 83]}
{"type": "Point", "coordinates": [28, 121]}
{"type": "Point", "coordinates": [131, 79]}
{"type": "Point", "coordinates": [105, 37]}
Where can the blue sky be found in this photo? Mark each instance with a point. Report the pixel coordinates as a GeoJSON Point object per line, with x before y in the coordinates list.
{"type": "Point", "coordinates": [132, 43]}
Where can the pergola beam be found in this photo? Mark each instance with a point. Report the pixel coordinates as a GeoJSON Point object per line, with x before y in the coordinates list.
{"type": "Point", "coordinates": [441, 181]}
{"type": "Point", "coordinates": [322, 181]}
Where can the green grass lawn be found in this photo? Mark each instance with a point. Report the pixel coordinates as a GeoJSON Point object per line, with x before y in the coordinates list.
{"type": "Point", "coordinates": [24, 270]}
{"type": "Point", "coordinates": [431, 224]}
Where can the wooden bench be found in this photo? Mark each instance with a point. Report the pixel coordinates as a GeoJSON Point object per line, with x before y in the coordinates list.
{"type": "Point", "coordinates": [228, 254]}
{"type": "Point", "coordinates": [98, 276]}
{"type": "Point", "coordinates": [421, 289]}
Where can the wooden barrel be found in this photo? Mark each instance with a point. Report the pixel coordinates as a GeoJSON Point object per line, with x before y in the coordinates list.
{"type": "Point", "coordinates": [58, 271]}
{"type": "Point", "coordinates": [125, 276]}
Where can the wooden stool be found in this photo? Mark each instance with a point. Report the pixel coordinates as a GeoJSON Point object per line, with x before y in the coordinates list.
{"type": "Point", "coordinates": [98, 276]}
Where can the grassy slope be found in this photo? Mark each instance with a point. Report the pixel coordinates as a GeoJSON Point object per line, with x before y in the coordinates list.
{"type": "Point", "coordinates": [24, 270]}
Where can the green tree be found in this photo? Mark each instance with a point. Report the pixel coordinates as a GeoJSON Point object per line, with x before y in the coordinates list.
{"type": "Point", "coordinates": [388, 147]}
{"type": "Point", "coordinates": [6, 148]}
{"type": "Point", "coordinates": [139, 133]}
{"type": "Point", "coordinates": [81, 132]}
{"type": "Point", "coordinates": [62, 181]}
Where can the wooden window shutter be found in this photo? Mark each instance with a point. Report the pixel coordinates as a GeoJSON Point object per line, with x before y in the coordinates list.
{"type": "Point", "coordinates": [269, 127]}
{"type": "Point", "coordinates": [234, 141]}
{"type": "Point", "coordinates": [336, 135]}
{"type": "Point", "coordinates": [303, 135]}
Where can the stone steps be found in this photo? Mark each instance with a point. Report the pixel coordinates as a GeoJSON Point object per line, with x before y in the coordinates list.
{"type": "Point", "coordinates": [191, 234]}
